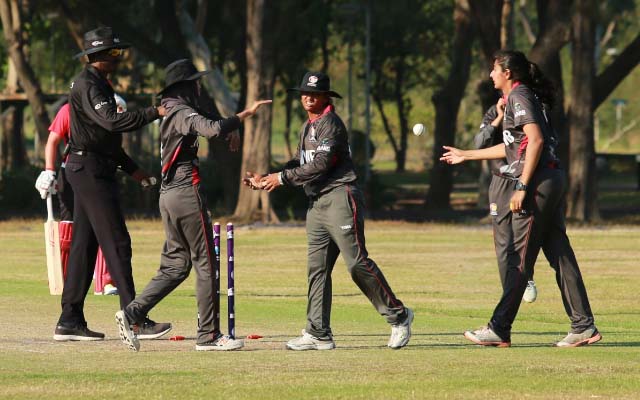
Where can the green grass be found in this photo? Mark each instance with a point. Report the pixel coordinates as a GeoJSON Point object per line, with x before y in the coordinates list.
{"type": "Point", "coordinates": [447, 273]}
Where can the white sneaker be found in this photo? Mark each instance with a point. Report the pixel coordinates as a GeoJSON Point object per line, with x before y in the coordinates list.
{"type": "Point", "coordinates": [310, 342]}
{"type": "Point", "coordinates": [401, 333]}
{"type": "Point", "coordinates": [530, 293]}
{"type": "Point", "coordinates": [589, 336]}
{"type": "Point", "coordinates": [126, 333]}
{"type": "Point", "coordinates": [222, 343]}
{"type": "Point", "coordinates": [109, 290]}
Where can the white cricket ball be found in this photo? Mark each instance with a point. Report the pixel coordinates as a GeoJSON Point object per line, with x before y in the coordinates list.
{"type": "Point", "coordinates": [418, 129]}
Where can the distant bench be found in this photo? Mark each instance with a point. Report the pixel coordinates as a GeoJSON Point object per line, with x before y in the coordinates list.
{"type": "Point", "coordinates": [619, 163]}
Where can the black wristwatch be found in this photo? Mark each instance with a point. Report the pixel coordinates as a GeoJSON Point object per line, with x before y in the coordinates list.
{"type": "Point", "coordinates": [521, 186]}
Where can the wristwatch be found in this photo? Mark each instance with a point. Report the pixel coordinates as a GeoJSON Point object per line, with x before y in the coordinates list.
{"type": "Point", "coordinates": [521, 186]}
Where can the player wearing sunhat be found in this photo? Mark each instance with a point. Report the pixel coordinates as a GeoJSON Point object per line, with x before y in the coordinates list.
{"type": "Point", "coordinates": [335, 219]}
{"type": "Point", "coordinates": [183, 207]}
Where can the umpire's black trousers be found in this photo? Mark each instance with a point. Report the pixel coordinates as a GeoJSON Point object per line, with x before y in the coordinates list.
{"type": "Point", "coordinates": [97, 220]}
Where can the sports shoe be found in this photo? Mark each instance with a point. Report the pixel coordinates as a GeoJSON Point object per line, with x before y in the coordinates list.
{"type": "Point", "coordinates": [401, 333]}
{"type": "Point", "coordinates": [150, 329]}
{"type": "Point", "coordinates": [310, 342]}
{"type": "Point", "coordinates": [76, 333]}
{"type": "Point", "coordinates": [109, 290]}
{"type": "Point", "coordinates": [486, 337]}
{"type": "Point", "coordinates": [588, 336]}
{"type": "Point", "coordinates": [126, 333]}
{"type": "Point", "coordinates": [221, 343]}
{"type": "Point", "coordinates": [530, 293]}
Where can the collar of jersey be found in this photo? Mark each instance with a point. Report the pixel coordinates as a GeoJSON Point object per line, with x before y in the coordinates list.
{"type": "Point", "coordinates": [515, 85]}
{"type": "Point", "coordinates": [327, 110]}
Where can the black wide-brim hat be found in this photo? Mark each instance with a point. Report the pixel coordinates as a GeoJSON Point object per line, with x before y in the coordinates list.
{"type": "Point", "coordinates": [180, 71]}
{"type": "Point", "coordinates": [101, 39]}
{"type": "Point", "coordinates": [316, 82]}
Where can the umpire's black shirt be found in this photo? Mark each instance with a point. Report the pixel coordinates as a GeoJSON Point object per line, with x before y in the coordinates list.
{"type": "Point", "coordinates": [96, 127]}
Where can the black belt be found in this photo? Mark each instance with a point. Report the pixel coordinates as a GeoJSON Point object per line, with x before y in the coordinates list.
{"type": "Point", "coordinates": [85, 153]}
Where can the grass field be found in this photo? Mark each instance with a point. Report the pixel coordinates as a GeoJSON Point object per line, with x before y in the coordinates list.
{"type": "Point", "coordinates": [446, 273]}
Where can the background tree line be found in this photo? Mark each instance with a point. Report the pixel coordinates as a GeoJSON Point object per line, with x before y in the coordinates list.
{"type": "Point", "coordinates": [424, 60]}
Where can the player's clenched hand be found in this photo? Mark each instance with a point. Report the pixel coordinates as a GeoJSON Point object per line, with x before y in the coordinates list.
{"type": "Point", "coordinates": [146, 180]}
{"type": "Point", "coordinates": [452, 155]}
{"type": "Point", "coordinates": [270, 182]}
{"type": "Point", "coordinates": [252, 180]}
{"type": "Point", "coordinates": [517, 201]}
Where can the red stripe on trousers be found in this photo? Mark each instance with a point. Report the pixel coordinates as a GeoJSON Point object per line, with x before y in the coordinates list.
{"type": "Point", "coordinates": [355, 227]}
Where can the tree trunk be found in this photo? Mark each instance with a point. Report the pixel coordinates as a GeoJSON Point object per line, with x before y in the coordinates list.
{"type": "Point", "coordinates": [13, 139]}
{"type": "Point", "coordinates": [609, 79]}
{"type": "Point", "coordinates": [489, 30]}
{"type": "Point", "coordinates": [554, 25]}
{"type": "Point", "coordinates": [403, 109]}
{"type": "Point", "coordinates": [447, 103]}
{"type": "Point", "coordinates": [12, 30]}
{"type": "Point", "coordinates": [288, 107]}
{"type": "Point", "coordinates": [256, 149]}
{"type": "Point", "coordinates": [385, 122]}
{"type": "Point", "coordinates": [582, 195]}
{"type": "Point", "coordinates": [507, 36]}
{"type": "Point", "coordinates": [201, 56]}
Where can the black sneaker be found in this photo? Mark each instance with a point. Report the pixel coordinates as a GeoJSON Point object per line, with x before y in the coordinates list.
{"type": "Point", "coordinates": [150, 329]}
{"type": "Point", "coordinates": [78, 332]}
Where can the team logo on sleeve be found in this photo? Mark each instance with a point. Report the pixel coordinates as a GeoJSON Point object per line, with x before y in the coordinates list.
{"type": "Point", "coordinates": [520, 112]}
{"type": "Point", "coordinates": [507, 138]}
{"type": "Point", "coordinates": [99, 105]}
{"type": "Point", "coordinates": [324, 146]}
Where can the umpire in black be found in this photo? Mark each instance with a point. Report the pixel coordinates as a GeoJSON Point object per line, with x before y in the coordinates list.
{"type": "Point", "coordinates": [96, 153]}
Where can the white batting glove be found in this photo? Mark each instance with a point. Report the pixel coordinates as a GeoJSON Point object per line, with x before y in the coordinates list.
{"type": "Point", "coordinates": [46, 183]}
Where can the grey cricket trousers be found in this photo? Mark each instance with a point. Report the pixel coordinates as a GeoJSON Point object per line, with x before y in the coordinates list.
{"type": "Point", "coordinates": [335, 224]}
{"type": "Point", "coordinates": [543, 226]}
{"type": "Point", "coordinates": [500, 192]}
{"type": "Point", "coordinates": [189, 242]}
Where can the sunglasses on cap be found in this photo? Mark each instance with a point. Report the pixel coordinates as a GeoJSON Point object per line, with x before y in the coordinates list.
{"type": "Point", "coordinates": [115, 52]}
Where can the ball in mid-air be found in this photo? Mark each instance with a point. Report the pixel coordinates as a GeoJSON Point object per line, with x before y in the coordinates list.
{"type": "Point", "coordinates": [418, 129]}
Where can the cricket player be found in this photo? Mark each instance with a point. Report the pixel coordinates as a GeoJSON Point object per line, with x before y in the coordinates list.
{"type": "Point", "coordinates": [500, 191]}
{"type": "Point", "coordinates": [47, 182]}
{"type": "Point", "coordinates": [335, 219]}
{"type": "Point", "coordinates": [183, 206]}
{"type": "Point", "coordinates": [536, 205]}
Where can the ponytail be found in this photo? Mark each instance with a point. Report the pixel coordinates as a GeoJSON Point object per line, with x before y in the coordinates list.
{"type": "Point", "coordinates": [541, 85]}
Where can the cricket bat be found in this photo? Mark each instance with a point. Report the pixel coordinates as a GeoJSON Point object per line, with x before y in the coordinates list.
{"type": "Point", "coordinates": [52, 246]}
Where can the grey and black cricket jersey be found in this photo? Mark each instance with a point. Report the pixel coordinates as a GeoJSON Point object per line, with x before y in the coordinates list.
{"type": "Point", "coordinates": [335, 222]}
{"type": "Point", "coordinates": [323, 160]}
{"type": "Point", "coordinates": [186, 221]}
{"type": "Point", "coordinates": [523, 107]}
